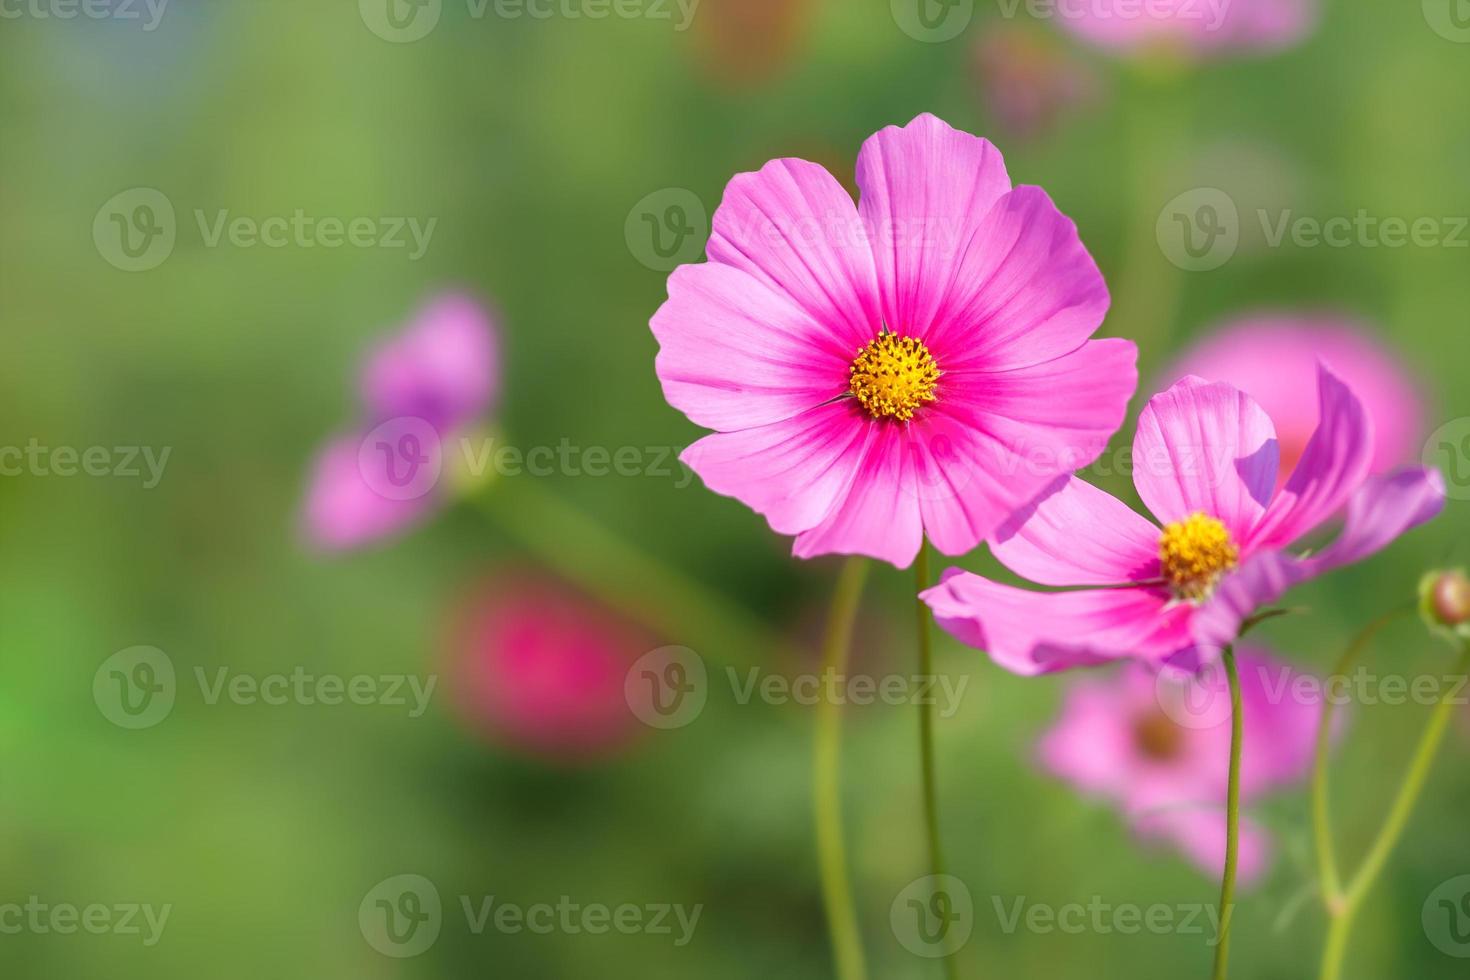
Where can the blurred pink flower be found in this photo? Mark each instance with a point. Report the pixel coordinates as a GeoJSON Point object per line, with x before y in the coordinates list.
{"type": "Point", "coordinates": [1027, 80]}
{"type": "Point", "coordinates": [920, 364]}
{"type": "Point", "coordinates": [418, 390]}
{"type": "Point", "coordinates": [1273, 356]}
{"type": "Point", "coordinates": [1157, 747]}
{"type": "Point", "coordinates": [1201, 28]}
{"type": "Point", "coordinates": [1205, 463]}
{"type": "Point", "coordinates": [538, 667]}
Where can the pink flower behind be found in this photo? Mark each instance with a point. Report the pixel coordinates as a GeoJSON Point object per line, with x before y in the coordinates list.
{"type": "Point", "coordinates": [1192, 27]}
{"type": "Point", "coordinates": [1151, 747]}
{"type": "Point", "coordinates": [1273, 358]}
{"type": "Point", "coordinates": [418, 389]}
{"type": "Point", "coordinates": [920, 364]}
{"type": "Point", "coordinates": [1205, 463]}
{"type": "Point", "coordinates": [538, 667]}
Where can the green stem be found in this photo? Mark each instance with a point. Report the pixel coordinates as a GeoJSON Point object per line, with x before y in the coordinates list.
{"type": "Point", "coordinates": [1393, 827]}
{"type": "Point", "coordinates": [626, 578]}
{"type": "Point", "coordinates": [926, 732]}
{"type": "Point", "coordinates": [1232, 819]}
{"type": "Point", "coordinates": [847, 947]}
{"type": "Point", "coordinates": [1330, 881]}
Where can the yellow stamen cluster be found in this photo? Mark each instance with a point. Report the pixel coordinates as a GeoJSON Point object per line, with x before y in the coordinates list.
{"type": "Point", "coordinates": [893, 376]}
{"type": "Point", "coordinates": [1195, 553]}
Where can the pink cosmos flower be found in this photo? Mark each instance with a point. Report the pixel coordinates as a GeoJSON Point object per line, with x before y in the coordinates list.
{"type": "Point", "coordinates": [538, 667]}
{"type": "Point", "coordinates": [1273, 357]}
{"type": "Point", "coordinates": [418, 390]}
{"type": "Point", "coordinates": [1150, 745]}
{"type": "Point", "coordinates": [917, 365]}
{"type": "Point", "coordinates": [1205, 462]}
{"type": "Point", "coordinates": [1198, 27]}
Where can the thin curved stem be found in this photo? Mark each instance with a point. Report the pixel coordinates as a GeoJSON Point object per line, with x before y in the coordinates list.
{"type": "Point", "coordinates": [1232, 819]}
{"type": "Point", "coordinates": [847, 947]}
{"type": "Point", "coordinates": [1393, 827]}
{"type": "Point", "coordinates": [1329, 879]}
{"type": "Point", "coordinates": [926, 732]}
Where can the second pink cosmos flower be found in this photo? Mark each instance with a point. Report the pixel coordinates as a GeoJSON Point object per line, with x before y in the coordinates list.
{"type": "Point", "coordinates": [917, 364]}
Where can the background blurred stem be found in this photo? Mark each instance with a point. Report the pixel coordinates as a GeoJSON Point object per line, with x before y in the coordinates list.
{"type": "Point", "coordinates": [1147, 286]}
{"type": "Point", "coordinates": [1393, 827]}
{"type": "Point", "coordinates": [1328, 876]}
{"type": "Point", "coordinates": [926, 733]}
{"type": "Point", "coordinates": [1232, 819]}
{"type": "Point", "coordinates": [585, 552]}
{"type": "Point", "coordinates": [847, 948]}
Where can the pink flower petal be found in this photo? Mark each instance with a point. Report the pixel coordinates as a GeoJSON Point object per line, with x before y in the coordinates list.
{"type": "Point", "coordinates": [1383, 509]}
{"type": "Point", "coordinates": [1076, 534]}
{"type": "Point", "coordinates": [1334, 465]}
{"type": "Point", "coordinates": [1205, 448]}
{"type": "Point", "coordinates": [926, 191]}
{"type": "Point", "coordinates": [1026, 290]}
{"type": "Point", "coordinates": [734, 353]}
{"type": "Point", "coordinates": [878, 515]}
{"type": "Point", "coordinates": [444, 368]}
{"type": "Point", "coordinates": [343, 511]}
{"type": "Point", "coordinates": [792, 471]}
{"type": "Point", "coordinates": [992, 442]}
{"type": "Point", "coordinates": [1040, 632]}
{"type": "Point", "coordinates": [1199, 833]}
{"type": "Point", "coordinates": [792, 226]}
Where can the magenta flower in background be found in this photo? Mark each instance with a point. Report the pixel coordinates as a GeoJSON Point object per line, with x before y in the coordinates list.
{"type": "Point", "coordinates": [920, 364]}
{"type": "Point", "coordinates": [1201, 28]}
{"type": "Point", "coordinates": [1273, 358]}
{"type": "Point", "coordinates": [418, 390]}
{"type": "Point", "coordinates": [540, 668]}
{"type": "Point", "coordinates": [1147, 743]}
{"type": "Point", "coordinates": [1205, 463]}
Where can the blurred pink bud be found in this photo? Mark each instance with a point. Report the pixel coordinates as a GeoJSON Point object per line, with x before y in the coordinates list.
{"type": "Point", "coordinates": [539, 668]}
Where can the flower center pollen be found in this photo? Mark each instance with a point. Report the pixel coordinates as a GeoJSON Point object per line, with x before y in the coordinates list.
{"type": "Point", "coordinates": [893, 376]}
{"type": "Point", "coordinates": [1196, 552]}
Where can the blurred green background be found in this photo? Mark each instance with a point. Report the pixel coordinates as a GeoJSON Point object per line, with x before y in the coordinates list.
{"type": "Point", "coordinates": [531, 141]}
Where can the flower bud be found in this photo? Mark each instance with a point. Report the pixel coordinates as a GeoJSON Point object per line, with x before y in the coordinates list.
{"type": "Point", "coordinates": [1449, 598]}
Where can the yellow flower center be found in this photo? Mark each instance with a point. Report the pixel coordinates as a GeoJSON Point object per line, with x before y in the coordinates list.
{"type": "Point", "coordinates": [893, 376]}
{"type": "Point", "coordinates": [1157, 737]}
{"type": "Point", "coordinates": [1196, 552]}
